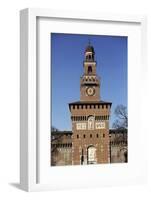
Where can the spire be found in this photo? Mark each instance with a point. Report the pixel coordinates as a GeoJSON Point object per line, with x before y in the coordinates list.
{"type": "Point", "coordinates": [89, 47]}
{"type": "Point", "coordinates": [89, 52]}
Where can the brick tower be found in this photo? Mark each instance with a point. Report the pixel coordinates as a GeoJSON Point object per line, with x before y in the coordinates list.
{"type": "Point", "coordinates": [90, 117]}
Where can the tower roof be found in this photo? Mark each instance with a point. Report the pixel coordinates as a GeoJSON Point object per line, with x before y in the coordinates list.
{"type": "Point", "coordinates": [89, 48]}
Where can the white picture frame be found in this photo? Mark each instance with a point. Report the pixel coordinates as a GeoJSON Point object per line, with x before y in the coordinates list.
{"type": "Point", "coordinates": [29, 100]}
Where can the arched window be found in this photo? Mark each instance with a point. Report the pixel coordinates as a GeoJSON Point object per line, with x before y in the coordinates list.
{"type": "Point", "coordinates": [91, 122]}
{"type": "Point", "coordinates": [89, 69]}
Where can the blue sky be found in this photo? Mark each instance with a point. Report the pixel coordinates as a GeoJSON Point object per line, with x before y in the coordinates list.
{"type": "Point", "coordinates": [67, 56]}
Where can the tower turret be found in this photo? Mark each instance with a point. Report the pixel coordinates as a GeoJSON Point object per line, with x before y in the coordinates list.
{"type": "Point", "coordinates": [90, 82]}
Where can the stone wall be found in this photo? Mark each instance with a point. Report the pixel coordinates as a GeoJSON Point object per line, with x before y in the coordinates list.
{"type": "Point", "coordinates": [62, 148]}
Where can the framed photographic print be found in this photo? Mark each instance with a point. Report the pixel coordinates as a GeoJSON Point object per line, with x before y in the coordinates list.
{"type": "Point", "coordinates": [82, 76]}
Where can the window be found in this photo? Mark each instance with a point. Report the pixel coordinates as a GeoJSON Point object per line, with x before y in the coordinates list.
{"type": "Point", "coordinates": [83, 136]}
{"type": "Point", "coordinates": [97, 135]}
{"type": "Point", "coordinates": [77, 136]}
{"type": "Point", "coordinates": [91, 120]}
{"type": "Point", "coordinates": [103, 135]}
{"type": "Point", "coordinates": [89, 69]}
{"type": "Point", "coordinates": [90, 135]}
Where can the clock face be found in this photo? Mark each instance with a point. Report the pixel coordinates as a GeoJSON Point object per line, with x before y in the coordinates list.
{"type": "Point", "coordinates": [90, 91]}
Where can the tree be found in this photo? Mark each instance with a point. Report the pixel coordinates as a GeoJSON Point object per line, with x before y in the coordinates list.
{"type": "Point", "coordinates": [122, 119]}
{"type": "Point", "coordinates": [54, 129]}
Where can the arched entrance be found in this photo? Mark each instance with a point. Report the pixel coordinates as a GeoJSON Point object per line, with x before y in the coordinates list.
{"type": "Point", "coordinates": [91, 155]}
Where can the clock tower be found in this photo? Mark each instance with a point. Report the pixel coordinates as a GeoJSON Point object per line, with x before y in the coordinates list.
{"type": "Point", "coordinates": [90, 117]}
{"type": "Point", "coordinates": [90, 82]}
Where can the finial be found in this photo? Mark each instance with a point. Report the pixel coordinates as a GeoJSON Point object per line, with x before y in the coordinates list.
{"type": "Point", "coordinates": [89, 42]}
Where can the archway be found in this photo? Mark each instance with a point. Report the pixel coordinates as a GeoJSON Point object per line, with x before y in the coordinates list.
{"type": "Point", "coordinates": [91, 155]}
{"type": "Point", "coordinates": [89, 69]}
